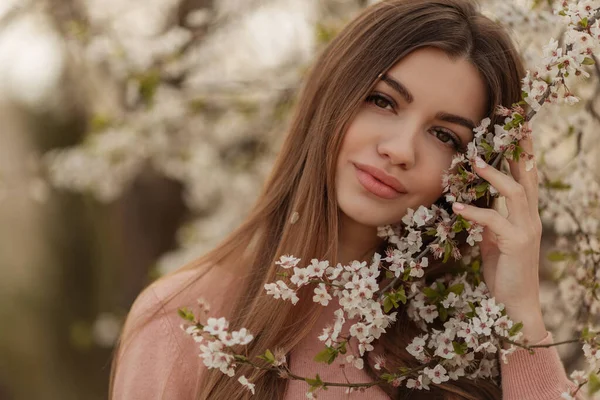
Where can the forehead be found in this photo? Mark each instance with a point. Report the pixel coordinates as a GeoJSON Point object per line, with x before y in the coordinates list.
{"type": "Point", "coordinates": [439, 83]}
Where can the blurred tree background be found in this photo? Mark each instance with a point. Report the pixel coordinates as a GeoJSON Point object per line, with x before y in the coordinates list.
{"type": "Point", "coordinates": [135, 134]}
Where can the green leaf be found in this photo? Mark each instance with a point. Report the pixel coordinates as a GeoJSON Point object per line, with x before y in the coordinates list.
{"type": "Point", "coordinates": [556, 256]}
{"type": "Point", "coordinates": [389, 274]}
{"type": "Point", "coordinates": [481, 188]}
{"type": "Point", "coordinates": [148, 83]}
{"type": "Point", "coordinates": [324, 33]}
{"type": "Point", "coordinates": [389, 378]}
{"type": "Point", "coordinates": [440, 286]}
{"type": "Point", "coordinates": [593, 384]}
{"type": "Point", "coordinates": [588, 61]}
{"type": "Point", "coordinates": [457, 289]}
{"type": "Point", "coordinates": [476, 266]}
{"type": "Point", "coordinates": [315, 383]}
{"type": "Point", "coordinates": [327, 356]}
{"type": "Point", "coordinates": [583, 23]}
{"type": "Point", "coordinates": [387, 304]}
{"type": "Point", "coordinates": [460, 224]}
{"type": "Point", "coordinates": [557, 185]}
{"type": "Point", "coordinates": [269, 357]}
{"type": "Point", "coordinates": [518, 118]}
{"type": "Point", "coordinates": [459, 348]}
{"type": "Point", "coordinates": [517, 152]}
{"type": "Point", "coordinates": [443, 312]}
{"type": "Point", "coordinates": [586, 334]}
{"type": "Point", "coordinates": [401, 295]}
{"type": "Point", "coordinates": [430, 293]}
{"type": "Point", "coordinates": [431, 232]}
{"type": "Point", "coordinates": [342, 348]}
{"type": "Point", "coordinates": [487, 147]}
{"type": "Point", "coordinates": [447, 252]}
{"type": "Point", "coordinates": [515, 329]}
{"type": "Point", "coordinates": [99, 122]}
{"type": "Point", "coordinates": [472, 313]}
{"type": "Point", "coordinates": [186, 314]}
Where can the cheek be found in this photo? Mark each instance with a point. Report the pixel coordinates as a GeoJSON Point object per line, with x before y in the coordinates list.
{"type": "Point", "coordinates": [432, 185]}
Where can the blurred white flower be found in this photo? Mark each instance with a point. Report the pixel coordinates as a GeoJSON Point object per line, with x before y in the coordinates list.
{"type": "Point", "coordinates": [106, 329]}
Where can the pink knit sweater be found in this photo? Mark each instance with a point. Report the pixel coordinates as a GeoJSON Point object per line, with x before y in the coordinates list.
{"type": "Point", "coordinates": [161, 362]}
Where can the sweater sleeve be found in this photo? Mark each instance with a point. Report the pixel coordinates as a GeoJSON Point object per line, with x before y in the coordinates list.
{"type": "Point", "coordinates": [155, 362]}
{"type": "Point", "coordinates": [539, 376]}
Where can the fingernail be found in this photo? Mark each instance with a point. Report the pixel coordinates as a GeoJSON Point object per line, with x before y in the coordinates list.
{"type": "Point", "coordinates": [480, 163]}
{"type": "Point", "coordinates": [458, 206]}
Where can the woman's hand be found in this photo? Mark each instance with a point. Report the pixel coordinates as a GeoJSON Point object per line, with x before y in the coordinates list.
{"type": "Point", "coordinates": [510, 248]}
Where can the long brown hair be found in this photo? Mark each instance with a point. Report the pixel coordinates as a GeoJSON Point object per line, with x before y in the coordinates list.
{"type": "Point", "coordinates": [302, 179]}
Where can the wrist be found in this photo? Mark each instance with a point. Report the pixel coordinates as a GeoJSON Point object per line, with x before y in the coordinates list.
{"type": "Point", "coordinates": [534, 328]}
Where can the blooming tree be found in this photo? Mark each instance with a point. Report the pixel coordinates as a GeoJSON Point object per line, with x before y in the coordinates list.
{"type": "Point", "coordinates": [165, 90]}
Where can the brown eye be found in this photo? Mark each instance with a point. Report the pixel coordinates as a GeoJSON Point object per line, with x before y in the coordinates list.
{"type": "Point", "coordinates": [447, 138]}
{"type": "Point", "coordinates": [379, 101]}
{"type": "Point", "coordinates": [444, 136]}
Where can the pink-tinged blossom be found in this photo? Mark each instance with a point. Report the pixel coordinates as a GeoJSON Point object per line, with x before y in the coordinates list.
{"type": "Point", "coordinates": [416, 269]}
{"type": "Point", "coordinates": [483, 327]}
{"type": "Point", "coordinates": [326, 335]}
{"type": "Point", "coordinates": [356, 362]}
{"type": "Point", "coordinates": [365, 345]}
{"type": "Point", "coordinates": [408, 218]}
{"type": "Point", "coordinates": [216, 326]}
{"type": "Point", "coordinates": [450, 300]}
{"type": "Point", "coordinates": [333, 272]}
{"type": "Point", "coordinates": [503, 325]}
{"type": "Point", "coordinates": [379, 362]}
{"type": "Point", "coordinates": [475, 232]}
{"type": "Point", "coordinates": [437, 375]}
{"type": "Point", "coordinates": [481, 129]}
{"type": "Point", "coordinates": [443, 230]}
{"type": "Point", "coordinates": [420, 383]}
{"type": "Point", "coordinates": [317, 268]}
{"type": "Point", "coordinates": [321, 296]}
{"type": "Point", "coordinates": [245, 383]}
{"type": "Point", "coordinates": [213, 357]}
{"type": "Point", "coordinates": [436, 250]}
{"type": "Point", "coordinates": [428, 313]}
{"type": "Point", "coordinates": [578, 377]}
{"type": "Point", "coordinates": [422, 216]}
{"type": "Point", "coordinates": [591, 353]}
{"type": "Point", "coordinates": [280, 290]}
{"type": "Point", "coordinates": [417, 347]}
{"type": "Point", "coordinates": [287, 261]}
{"type": "Point", "coordinates": [300, 277]}
{"type": "Point", "coordinates": [488, 308]}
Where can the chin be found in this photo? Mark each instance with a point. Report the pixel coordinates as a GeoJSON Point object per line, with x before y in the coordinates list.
{"type": "Point", "coordinates": [369, 217]}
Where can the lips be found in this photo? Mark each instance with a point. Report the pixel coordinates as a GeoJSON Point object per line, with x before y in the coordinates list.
{"type": "Point", "coordinates": [378, 182]}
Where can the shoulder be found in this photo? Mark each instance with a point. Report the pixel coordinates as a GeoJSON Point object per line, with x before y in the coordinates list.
{"type": "Point", "coordinates": [183, 288]}
{"type": "Point", "coordinates": [155, 356]}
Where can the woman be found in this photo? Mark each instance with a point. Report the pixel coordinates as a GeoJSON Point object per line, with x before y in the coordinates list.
{"type": "Point", "coordinates": [394, 97]}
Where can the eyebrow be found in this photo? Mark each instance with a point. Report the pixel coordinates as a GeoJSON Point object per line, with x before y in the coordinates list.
{"type": "Point", "coordinates": [443, 116]}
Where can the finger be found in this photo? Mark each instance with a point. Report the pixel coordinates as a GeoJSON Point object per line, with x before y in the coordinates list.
{"type": "Point", "coordinates": [489, 218]}
{"type": "Point", "coordinates": [516, 198]}
{"type": "Point", "coordinates": [528, 179]}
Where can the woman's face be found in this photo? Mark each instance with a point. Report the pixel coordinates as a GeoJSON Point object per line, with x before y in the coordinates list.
{"type": "Point", "coordinates": [406, 133]}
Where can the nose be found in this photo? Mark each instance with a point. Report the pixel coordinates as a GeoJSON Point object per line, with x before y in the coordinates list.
{"type": "Point", "coordinates": [400, 147]}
